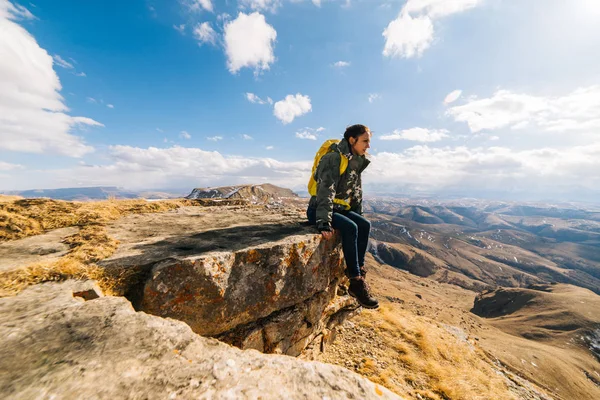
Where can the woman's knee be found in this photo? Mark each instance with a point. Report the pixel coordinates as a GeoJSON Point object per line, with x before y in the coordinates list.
{"type": "Point", "coordinates": [349, 228]}
{"type": "Point", "coordinates": [363, 224]}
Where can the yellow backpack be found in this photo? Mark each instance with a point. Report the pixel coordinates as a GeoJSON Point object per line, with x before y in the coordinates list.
{"type": "Point", "coordinates": [312, 183]}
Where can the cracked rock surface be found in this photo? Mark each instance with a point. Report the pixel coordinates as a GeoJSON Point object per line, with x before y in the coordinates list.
{"type": "Point", "coordinates": [55, 344]}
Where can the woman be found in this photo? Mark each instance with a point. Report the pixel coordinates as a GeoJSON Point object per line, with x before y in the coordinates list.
{"type": "Point", "coordinates": [338, 205]}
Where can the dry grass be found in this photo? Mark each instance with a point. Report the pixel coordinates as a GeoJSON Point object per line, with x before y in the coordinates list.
{"type": "Point", "coordinates": [4, 198]}
{"type": "Point", "coordinates": [26, 217]}
{"type": "Point", "coordinates": [435, 363]}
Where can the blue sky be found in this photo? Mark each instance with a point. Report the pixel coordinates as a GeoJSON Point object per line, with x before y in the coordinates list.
{"type": "Point", "coordinates": [466, 97]}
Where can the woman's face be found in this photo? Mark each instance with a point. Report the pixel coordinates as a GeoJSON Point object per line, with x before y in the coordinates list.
{"type": "Point", "coordinates": [361, 143]}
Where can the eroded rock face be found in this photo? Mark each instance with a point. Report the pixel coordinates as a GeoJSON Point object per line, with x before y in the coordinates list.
{"type": "Point", "coordinates": [55, 345]}
{"type": "Point", "coordinates": [253, 278]}
{"type": "Point", "coordinates": [281, 289]}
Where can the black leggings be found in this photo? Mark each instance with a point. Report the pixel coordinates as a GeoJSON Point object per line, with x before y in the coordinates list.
{"type": "Point", "coordinates": [354, 229]}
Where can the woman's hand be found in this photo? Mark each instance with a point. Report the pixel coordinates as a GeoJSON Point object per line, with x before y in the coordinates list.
{"type": "Point", "coordinates": [327, 234]}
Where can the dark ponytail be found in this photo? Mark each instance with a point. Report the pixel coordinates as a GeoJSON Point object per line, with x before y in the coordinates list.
{"type": "Point", "coordinates": [355, 131]}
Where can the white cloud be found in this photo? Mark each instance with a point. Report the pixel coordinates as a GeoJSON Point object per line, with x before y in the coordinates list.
{"type": "Point", "coordinates": [452, 97]}
{"type": "Point", "coordinates": [14, 11]}
{"type": "Point", "coordinates": [4, 166]}
{"type": "Point", "coordinates": [341, 64]}
{"type": "Point", "coordinates": [110, 106]}
{"type": "Point", "coordinates": [470, 171]}
{"type": "Point", "coordinates": [91, 100]}
{"type": "Point", "coordinates": [494, 138]}
{"type": "Point", "coordinates": [197, 5]}
{"type": "Point", "coordinates": [180, 166]}
{"type": "Point", "coordinates": [496, 169]}
{"type": "Point", "coordinates": [261, 5]}
{"type": "Point", "coordinates": [81, 74]}
{"type": "Point", "coordinates": [308, 133]}
{"type": "Point", "coordinates": [317, 3]}
{"type": "Point", "coordinates": [215, 138]}
{"type": "Point", "coordinates": [180, 28]}
{"type": "Point", "coordinates": [417, 135]}
{"type": "Point", "coordinates": [185, 135]}
{"type": "Point", "coordinates": [252, 98]}
{"type": "Point", "coordinates": [246, 137]}
{"type": "Point", "coordinates": [32, 112]}
{"type": "Point", "coordinates": [407, 37]}
{"type": "Point", "coordinates": [439, 8]}
{"type": "Point", "coordinates": [373, 97]}
{"type": "Point", "coordinates": [159, 130]}
{"type": "Point", "coordinates": [412, 32]}
{"type": "Point", "coordinates": [577, 111]}
{"type": "Point", "coordinates": [249, 43]}
{"type": "Point", "coordinates": [223, 17]}
{"type": "Point", "coordinates": [291, 107]}
{"type": "Point", "coordinates": [61, 62]}
{"type": "Point", "coordinates": [204, 33]}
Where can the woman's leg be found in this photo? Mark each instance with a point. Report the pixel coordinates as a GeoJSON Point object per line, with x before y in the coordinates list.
{"type": "Point", "coordinates": [349, 232]}
{"type": "Point", "coordinates": [311, 215]}
{"type": "Point", "coordinates": [362, 240]}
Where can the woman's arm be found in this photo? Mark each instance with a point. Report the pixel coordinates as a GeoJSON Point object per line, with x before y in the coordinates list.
{"type": "Point", "coordinates": [356, 202]}
{"type": "Point", "coordinates": [328, 174]}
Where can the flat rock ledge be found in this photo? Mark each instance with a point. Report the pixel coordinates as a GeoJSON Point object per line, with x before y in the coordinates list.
{"type": "Point", "coordinates": [56, 344]}
{"type": "Point", "coordinates": [255, 279]}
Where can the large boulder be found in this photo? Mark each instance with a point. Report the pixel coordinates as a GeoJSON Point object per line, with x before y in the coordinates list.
{"type": "Point", "coordinates": [66, 341]}
{"type": "Point", "coordinates": [252, 278]}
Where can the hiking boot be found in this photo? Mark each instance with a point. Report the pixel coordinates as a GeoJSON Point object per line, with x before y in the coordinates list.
{"type": "Point", "coordinates": [360, 291]}
{"type": "Point", "coordinates": [363, 272]}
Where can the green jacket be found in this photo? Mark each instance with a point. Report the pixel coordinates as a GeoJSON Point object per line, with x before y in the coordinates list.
{"type": "Point", "coordinates": [331, 185]}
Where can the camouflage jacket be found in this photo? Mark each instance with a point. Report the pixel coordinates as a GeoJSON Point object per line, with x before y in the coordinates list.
{"type": "Point", "coordinates": [331, 185]}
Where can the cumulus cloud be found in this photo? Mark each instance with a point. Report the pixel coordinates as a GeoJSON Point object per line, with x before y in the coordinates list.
{"type": "Point", "coordinates": [452, 97]}
{"type": "Point", "coordinates": [14, 11]}
{"type": "Point", "coordinates": [249, 43]}
{"type": "Point", "coordinates": [32, 112]}
{"type": "Point", "coordinates": [197, 5]}
{"type": "Point", "coordinates": [215, 138]}
{"type": "Point", "coordinates": [577, 111]}
{"type": "Point", "coordinates": [252, 98]}
{"type": "Point", "coordinates": [204, 33]}
{"type": "Point", "coordinates": [185, 135]}
{"type": "Point", "coordinates": [341, 64]}
{"type": "Point", "coordinates": [309, 133]}
{"type": "Point", "coordinates": [373, 97]}
{"type": "Point", "coordinates": [417, 135]}
{"type": "Point", "coordinates": [135, 167]}
{"type": "Point", "coordinates": [261, 5]}
{"type": "Point", "coordinates": [412, 32]}
{"type": "Point", "coordinates": [246, 137]}
{"type": "Point", "coordinates": [443, 170]}
{"type": "Point", "coordinates": [492, 169]}
{"type": "Point", "coordinates": [4, 166]}
{"type": "Point", "coordinates": [291, 107]}
{"type": "Point", "coordinates": [110, 106]}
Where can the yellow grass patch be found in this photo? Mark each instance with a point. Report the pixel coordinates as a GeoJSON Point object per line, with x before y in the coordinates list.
{"type": "Point", "coordinates": [26, 217]}
{"type": "Point", "coordinates": [7, 198]}
{"type": "Point", "coordinates": [422, 354]}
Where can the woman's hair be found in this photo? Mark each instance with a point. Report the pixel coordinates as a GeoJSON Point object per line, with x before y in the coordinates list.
{"type": "Point", "coordinates": [355, 131]}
